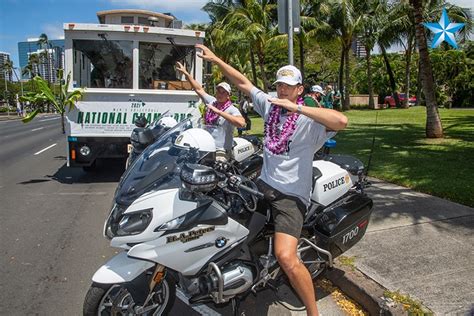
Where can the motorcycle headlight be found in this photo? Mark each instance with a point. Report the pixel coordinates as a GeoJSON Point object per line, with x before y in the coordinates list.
{"type": "Point", "coordinates": [110, 227]}
{"type": "Point", "coordinates": [172, 224]}
{"type": "Point", "coordinates": [134, 223]}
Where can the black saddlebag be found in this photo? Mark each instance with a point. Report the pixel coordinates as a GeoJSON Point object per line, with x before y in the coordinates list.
{"type": "Point", "coordinates": [342, 225]}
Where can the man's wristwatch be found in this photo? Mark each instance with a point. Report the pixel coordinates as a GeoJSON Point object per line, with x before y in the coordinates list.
{"type": "Point", "coordinates": [299, 107]}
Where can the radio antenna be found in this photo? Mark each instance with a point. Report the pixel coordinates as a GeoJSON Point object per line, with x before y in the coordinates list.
{"type": "Point", "coordinates": [372, 147]}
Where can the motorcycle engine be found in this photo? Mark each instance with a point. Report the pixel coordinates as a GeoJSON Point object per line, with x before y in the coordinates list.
{"type": "Point", "coordinates": [237, 278]}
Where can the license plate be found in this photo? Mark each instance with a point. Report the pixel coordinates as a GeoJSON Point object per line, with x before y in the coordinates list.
{"type": "Point", "coordinates": [129, 148]}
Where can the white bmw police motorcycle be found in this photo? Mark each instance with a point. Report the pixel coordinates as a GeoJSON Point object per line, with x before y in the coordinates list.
{"type": "Point", "coordinates": [187, 221]}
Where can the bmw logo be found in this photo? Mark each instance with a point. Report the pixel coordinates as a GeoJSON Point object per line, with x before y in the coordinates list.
{"type": "Point", "coordinates": [221, 242]}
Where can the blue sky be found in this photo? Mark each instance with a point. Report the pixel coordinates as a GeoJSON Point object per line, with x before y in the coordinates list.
{"type": "Point", "coordinates": [23, 19]}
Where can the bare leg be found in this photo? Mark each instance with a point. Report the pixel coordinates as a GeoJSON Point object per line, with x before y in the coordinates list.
{"type": "Point", "coordinates": [300, 279]}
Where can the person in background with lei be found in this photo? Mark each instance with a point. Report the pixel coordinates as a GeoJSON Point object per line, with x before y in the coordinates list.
{"type": "Point", "coordinates": [312, 97]}
{"type": "Point", "coordinates": [220, 110]}
{"type": "Point", "coordinates": [293, 133]}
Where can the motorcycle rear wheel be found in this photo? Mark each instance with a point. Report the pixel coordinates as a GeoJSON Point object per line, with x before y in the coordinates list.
{"type": "Point", "coordinates": [114, 299]}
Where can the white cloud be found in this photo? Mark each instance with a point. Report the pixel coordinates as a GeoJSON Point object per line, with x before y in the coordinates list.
{"type": "Point", "coordinates": [54, 31]}
{"type": "Point", "coordinates": [464, 4]}
{"type": "Point", "coordinates": [174, 6]}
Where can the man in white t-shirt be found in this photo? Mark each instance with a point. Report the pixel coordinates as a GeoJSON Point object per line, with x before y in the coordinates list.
{"type": "Point", "coordinates": [220, 111]}
{"type": "Point", "coordinates": [293, 133]}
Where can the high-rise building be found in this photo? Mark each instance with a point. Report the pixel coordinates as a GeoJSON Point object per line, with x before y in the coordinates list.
{"type": "Point", "coordinates": [50, 58]}
{"type": "Point", "coordinates": [4, 57]}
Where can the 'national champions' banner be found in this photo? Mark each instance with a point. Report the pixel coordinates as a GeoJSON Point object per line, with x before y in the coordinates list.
{"type": "Point", "coordinates": [114, 115]}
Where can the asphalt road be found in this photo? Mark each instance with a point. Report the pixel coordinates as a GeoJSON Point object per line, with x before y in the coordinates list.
{"type": "Point", "coordinates": [51, 221]}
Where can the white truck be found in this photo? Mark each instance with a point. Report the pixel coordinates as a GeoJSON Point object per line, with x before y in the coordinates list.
{"type": "Point", "coordinates": [126, 71]}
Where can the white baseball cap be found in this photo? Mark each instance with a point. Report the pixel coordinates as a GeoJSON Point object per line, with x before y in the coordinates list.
{"type": "Point", "coordinates": [289, 75]}
{"type": "Point", "coordinates": [317, 88]}
{"type": "Point", "coordinates": [225, 86]}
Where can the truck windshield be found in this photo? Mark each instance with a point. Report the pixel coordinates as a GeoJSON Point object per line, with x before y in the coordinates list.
{"type": "Point", "coordinates": [103, 64]}
{"type": "Point", "coordinates": [157, 65]}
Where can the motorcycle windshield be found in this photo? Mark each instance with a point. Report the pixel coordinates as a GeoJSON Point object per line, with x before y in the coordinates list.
{"type": "Point", "coordinates": [158, 167]}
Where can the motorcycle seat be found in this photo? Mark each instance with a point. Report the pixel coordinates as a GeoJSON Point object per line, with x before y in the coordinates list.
{"type": "Point", "coordinates": [349, 163]}
{"type": "Point", "coordinates": [254, 140]}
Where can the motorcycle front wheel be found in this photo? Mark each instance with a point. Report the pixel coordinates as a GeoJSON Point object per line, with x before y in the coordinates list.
{"type": "Point", "coordinates": [114, 299]}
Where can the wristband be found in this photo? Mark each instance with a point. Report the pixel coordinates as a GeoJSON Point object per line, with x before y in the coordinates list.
{"type": "Point", "coordinates": [299, 108]}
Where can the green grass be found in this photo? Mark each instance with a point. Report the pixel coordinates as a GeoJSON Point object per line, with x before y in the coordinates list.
{"type": "Point", "coordinates": [403, 155]}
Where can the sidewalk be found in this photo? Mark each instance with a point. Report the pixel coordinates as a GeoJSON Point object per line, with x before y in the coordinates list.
{"type": "Point", "coordinates": [419, 245]}
{"type": "Point", "coordinates": [12, 116]}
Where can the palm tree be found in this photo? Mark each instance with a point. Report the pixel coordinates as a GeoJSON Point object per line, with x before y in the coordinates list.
{"type": "Point", "coordinates": [28, 71]}
{"type": "Point", "coordinates": [313, 27]}
{"type": "Point", "coordinates": [346, 20]}
{"type": "Point", "coordinates": [215, 37]}
{"type": "Point", "coordinates": [7, 69]}
{"type": "Point", "coordinates": [371, 24]}
{"type": "Point", "coordinates": [434, 128]}
{"type": "Point", "coordinates": [254, 20]}
{"type": "Point", "coordinates": [45, 57]}
{"type": "Point", "coordinates": [34, 61]}
{"type": "Point", "coordinates": [403, 21]}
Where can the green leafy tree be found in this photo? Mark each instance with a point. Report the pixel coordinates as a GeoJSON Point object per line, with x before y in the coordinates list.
{"type": "Point", "coordinates": [63, 100]}
{"type": "Point", "coordinates": [454, 74]}
{"type": "Point", "coordinates": [254, 20]}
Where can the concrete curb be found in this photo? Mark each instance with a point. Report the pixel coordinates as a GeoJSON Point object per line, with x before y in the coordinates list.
{"type": "Point", "coordinates": [9, 118]}
{"type": "Point", "coordinates": [365, 291]}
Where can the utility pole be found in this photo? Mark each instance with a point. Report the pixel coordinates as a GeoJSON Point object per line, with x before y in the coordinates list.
{"type": "Point", "coordinates": [6, 91]}
{"type": "Point", "coordinates": [290, 32]}
{"type": "Point", "coordinates": [289, 22]}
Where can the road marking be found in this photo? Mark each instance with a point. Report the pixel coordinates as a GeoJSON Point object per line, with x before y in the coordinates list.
{"type": "Point", "coordinates": [50, 119]}
{"type": "Point", "coordinates": [37, 129]}
{"type": "Point", "coordinates": [39, 152]}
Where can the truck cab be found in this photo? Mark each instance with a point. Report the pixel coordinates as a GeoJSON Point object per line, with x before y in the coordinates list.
{"type": "Point", "coordinates": [125, 66]}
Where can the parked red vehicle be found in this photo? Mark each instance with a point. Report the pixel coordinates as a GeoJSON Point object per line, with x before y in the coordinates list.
{"type": "Point", "coordinates": [389, 100]}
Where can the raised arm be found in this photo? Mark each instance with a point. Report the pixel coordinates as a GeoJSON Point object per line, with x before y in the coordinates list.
{"type": "Point", "coordinates": [332, 119]}
{"type": "Point", "coordinates": [234, 76]}
{"type": "Point", "coordinates": [194, 84]}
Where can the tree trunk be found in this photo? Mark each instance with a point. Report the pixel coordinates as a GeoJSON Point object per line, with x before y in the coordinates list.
{"type": "Point", "coordinates": [261, 62]}
{"type": "Point", "coordinates": [62, 123]}
{"type": "Point", "coordinates": [341, 77]}
{"type": "Point", "coordinates": [254, 69]}
{"type": "Point", "coordinates": [369, 78]}
{"type": "Point", "coordinates": [419, 95]}
{"type": "Point", "coordinates": [434, 128]}
{"type": "Point", "coordinates": [407, 71]}
{"type": "Point", "coordinates": [301, 48]}
{"type": "Point", "coordinates": [347, 87]}
{"type": "Point", "coordinates": [393, 85]}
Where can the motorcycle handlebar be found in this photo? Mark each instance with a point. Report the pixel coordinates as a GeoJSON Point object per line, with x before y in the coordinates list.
{"type": "Point", "coordinates": [245, 188]}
